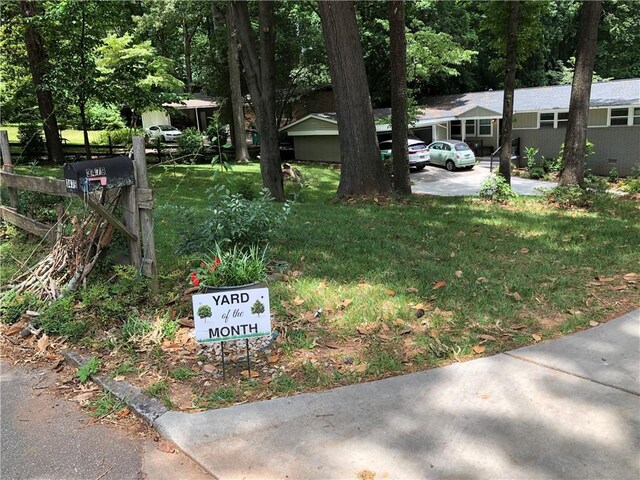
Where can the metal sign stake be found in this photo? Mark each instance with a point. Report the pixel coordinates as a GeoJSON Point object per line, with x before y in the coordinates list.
{"type": "Point", "coordinates": [248, 360]}
{"type": "Point", "coordinates": [224, 373]}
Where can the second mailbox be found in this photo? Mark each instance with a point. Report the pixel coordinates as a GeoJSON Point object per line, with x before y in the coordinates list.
{"type": "Point", "coordinates": [83, 177]}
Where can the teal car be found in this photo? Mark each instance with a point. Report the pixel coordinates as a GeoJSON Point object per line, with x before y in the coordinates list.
{"type": "Point", "coordinates": [452, 154]}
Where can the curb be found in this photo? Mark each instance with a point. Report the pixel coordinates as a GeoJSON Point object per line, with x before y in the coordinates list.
{"type": "Point", "coordinates": [147, 408]}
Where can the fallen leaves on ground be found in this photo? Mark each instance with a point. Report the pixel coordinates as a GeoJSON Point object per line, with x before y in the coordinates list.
{"type": "Point", "coordinates": [479, 349]}
{"type": "Point", "coordinates": [536, 337]}
{"type": "Point", "coordinates": [438, 285]}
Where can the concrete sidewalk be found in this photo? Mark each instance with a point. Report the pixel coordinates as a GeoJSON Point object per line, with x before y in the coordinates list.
{"type": "Point", "coordinates": [568, 408]}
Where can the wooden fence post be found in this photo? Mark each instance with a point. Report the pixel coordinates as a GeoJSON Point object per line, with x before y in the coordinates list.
{"type": "Point", "coordinates": [7, 166]}
{"type": "Point", "coordinates": [145, 206]}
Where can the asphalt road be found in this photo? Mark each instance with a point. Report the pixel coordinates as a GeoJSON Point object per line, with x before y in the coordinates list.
{"type": "Point", "coordinates": [46, 437]}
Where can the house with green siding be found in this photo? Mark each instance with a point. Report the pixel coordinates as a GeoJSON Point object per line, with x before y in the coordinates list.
{"type": "Point", "coordinates": [540, 119]}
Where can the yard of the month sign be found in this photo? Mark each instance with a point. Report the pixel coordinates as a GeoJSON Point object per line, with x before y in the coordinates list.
{"type": "Point", "coordinates": [231, 315]}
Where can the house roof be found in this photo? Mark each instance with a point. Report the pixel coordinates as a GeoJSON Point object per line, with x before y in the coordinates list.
{"type": "Point", "coordinates": [199, 101]}
{"type": "Point", "coordinates": [489, 104]}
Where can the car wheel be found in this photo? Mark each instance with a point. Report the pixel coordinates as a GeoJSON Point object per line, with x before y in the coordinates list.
{"type": "Point", "coordinates": [450, 165]}
{"type": "Point", "coordinates": [420, 168]}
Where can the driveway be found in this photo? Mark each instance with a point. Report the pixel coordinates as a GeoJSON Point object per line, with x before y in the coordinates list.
{"type": "Point", "coordinates": [436, 180]}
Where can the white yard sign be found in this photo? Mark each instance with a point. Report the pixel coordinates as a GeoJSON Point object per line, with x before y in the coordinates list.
{"type": "Point", "coordinates": [231, 314]}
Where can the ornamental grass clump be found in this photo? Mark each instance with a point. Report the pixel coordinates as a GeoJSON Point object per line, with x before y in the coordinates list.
{"type": "Point", "coordinates": [231, 267]}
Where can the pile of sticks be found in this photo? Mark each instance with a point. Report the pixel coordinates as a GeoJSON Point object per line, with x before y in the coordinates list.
{"type": "Point", "coordinates": [70, 260]}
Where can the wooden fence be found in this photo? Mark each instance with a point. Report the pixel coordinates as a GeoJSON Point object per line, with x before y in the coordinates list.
{"type": "Point", "coordinates": [137, 203]}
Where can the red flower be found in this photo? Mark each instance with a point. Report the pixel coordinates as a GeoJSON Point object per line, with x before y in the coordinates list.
{"type": "Point", "coordinates": [217, 261]}
{"type": "Point", "coordinates": [194, 279]}
{"type": "Point", "coordinates": [203, 265]}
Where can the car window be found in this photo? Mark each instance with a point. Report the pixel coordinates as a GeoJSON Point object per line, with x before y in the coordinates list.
{"type": "Point", "coordinates": [154, 128]}
{"type": "Point", "coordinates": [446, 147]}
{"type": "Point", "coordinates": [462, 146]}
{"type": "Point", "coordinates": [166, 128]}
{"type": "Point", "coordinates": [417, 146]}
{"type": "Point", "coordinates": [435, 146]}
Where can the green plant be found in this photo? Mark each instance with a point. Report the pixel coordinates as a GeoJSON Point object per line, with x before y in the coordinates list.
{"type": "Point", "coordinates": [13, 305]}
{"type": "Point", "coordinates": [91, 367]}
{"type": "Point", "coordinates": [30, 137]}
{"type": "Point", "coordinates": [190, 145]}
{"type": "Point", "coordinates": [284, 384]}
{"type": "Point", "coordinates": [496, 189]}
{"type": "Point", "coordinates": [229, 267]}
{"type": "Point", "coordinates": [383, 362]}
{"type": "Point", "coordinates": [221, 396]}
{"type": "Point", "coordinates": [551, 165]}
{"type": "Point", "coordinates": [121, 136]}
{"type": "Point", "coordinates": [59, 319]}
{"type": "Point", "coordinates": [613, 175]}
{"type": "Point", "coordinates": [530, 153]}
{"type": "Point", "coordinates": [566, 197]}
{"type": "Point", "coordinates": [106, 404]}
{"type": "Point", "coordinates": [182, 373]}
{"type": "Point", "coordinates": [127, 367]}
{"type": "Point", "coordinates": [536, 173]}
{"type": "Point", "coordinates": [134, 328]}
{"type": "Point", "coordinates": [160, 390]}
{"type": "Point", "coordinates": [632, 186]}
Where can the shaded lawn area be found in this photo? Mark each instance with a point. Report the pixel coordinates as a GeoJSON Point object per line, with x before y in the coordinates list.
{"type": "Point", "coordinates": [403, 284]}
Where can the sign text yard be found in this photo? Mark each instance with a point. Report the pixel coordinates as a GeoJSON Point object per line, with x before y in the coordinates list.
{"type": "Point", "coordinates": [231, 315]}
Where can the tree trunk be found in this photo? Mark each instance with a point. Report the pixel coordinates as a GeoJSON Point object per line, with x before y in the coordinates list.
{"type": "Point", "coordinates": [37, 65]}
{"type": "Point", "coordinates": [239, 137]}
{"type": "Point", "coordinates": [186, 49]}
{"type": "Point", "coordinates": [399, 123]}
{"type": "Point", "coordinates": [576, 136]}
{"type": "Point", "coordinates": [85, 134]}
{"type": "Point", "coordinates": [259, 74]}
{"type": "Point", "coordinates": [83, 82]}
{"type": "Point", "coordinates": [362, 171]}
{"type": "Point", "coordinates": [509, 87]}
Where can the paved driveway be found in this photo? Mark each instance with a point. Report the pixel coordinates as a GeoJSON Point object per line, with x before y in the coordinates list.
{"type": "Point", "coordinates": [436, 180]}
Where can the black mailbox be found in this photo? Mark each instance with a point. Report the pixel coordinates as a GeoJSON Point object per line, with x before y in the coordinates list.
{"type": "Point", "coordinates": [83, 177]}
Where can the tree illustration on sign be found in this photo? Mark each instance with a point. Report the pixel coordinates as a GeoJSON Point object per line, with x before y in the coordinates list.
{"type": "Point", "coordinates": [204, 311]}
{"type": "Point", "coordinates": [257, 308]}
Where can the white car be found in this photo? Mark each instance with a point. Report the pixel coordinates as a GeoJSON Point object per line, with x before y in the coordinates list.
{"type": "Point", "coordinates": [417, 152]}
{"type": "Point", "coordinates": [166, 133]}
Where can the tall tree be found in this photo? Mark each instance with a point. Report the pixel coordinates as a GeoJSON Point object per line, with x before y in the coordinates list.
{"type": "Point", "coordinates": [509, 87]}
{"type": "Point", "coordinates": [576, 136]}
{"type": "Point", "coordinates": [399, 122]}
{"type": "Point", "coordinates": [362, 171]}
{"type": "Point", "coordinates": [237, 101]}
{"type": "Point", "coordinates": [259, 74]}
{"type": "Point", "coordinates": [38, 64]}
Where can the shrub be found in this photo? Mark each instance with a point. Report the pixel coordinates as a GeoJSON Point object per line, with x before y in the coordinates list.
{"type": "Point", "coordinates": [530, 153]}
{"type": "Point", "coordinates": [632, 186]}
{"type": "Point", "coordinates": [59, 319]}
{"type": "Point", "coordinates": [536, 173]}
{"type": "Point", "coordinates": [613, 175]}
{"type": "Point", "coordinates": [190, 145]}
{"type": "Point", "coordinates": [234, 266]}
{"type": "Point", "coordinates": [121, 136]}
{"type": "Point", "coordinates": [575, 196]}
{"type": "Point", "coordinates": [13, 305]}
{"type": "Point", "coordinates": [496, 189]}
{"type": "Point", "coordinates": [231, 220]}
{"type": "Point", "coordinates": [30, 137]}
{"type": "Point", "coordinates": [551, 165]}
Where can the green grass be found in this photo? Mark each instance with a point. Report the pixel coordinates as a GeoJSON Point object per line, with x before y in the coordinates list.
{"type": "Point", "coordinates": [482, 274]}
{"type": "Point", "coordinates": [72, 136]}
{"type": "Point", "coordinates": [106, 404]}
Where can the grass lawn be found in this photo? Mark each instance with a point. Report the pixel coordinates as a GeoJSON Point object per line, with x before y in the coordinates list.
{"type": "Point", "coordinates": [72, 136]}
{"type": "Point", "coordinates": [403, 285]}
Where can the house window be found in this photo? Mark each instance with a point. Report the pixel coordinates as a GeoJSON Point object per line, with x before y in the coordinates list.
{"type": "Point", "coordinates": [470, 127]}
{"type": "Point", "coordinates": [484, 128]}
{"type": "Point", "coordinates": [636, 116]}
{"type": "Point", "coordinates": [547, 120]}
{"type": "Point", "coordinates": [619, 116]}
{"type": "Point", "coordinates": [563, 119]}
